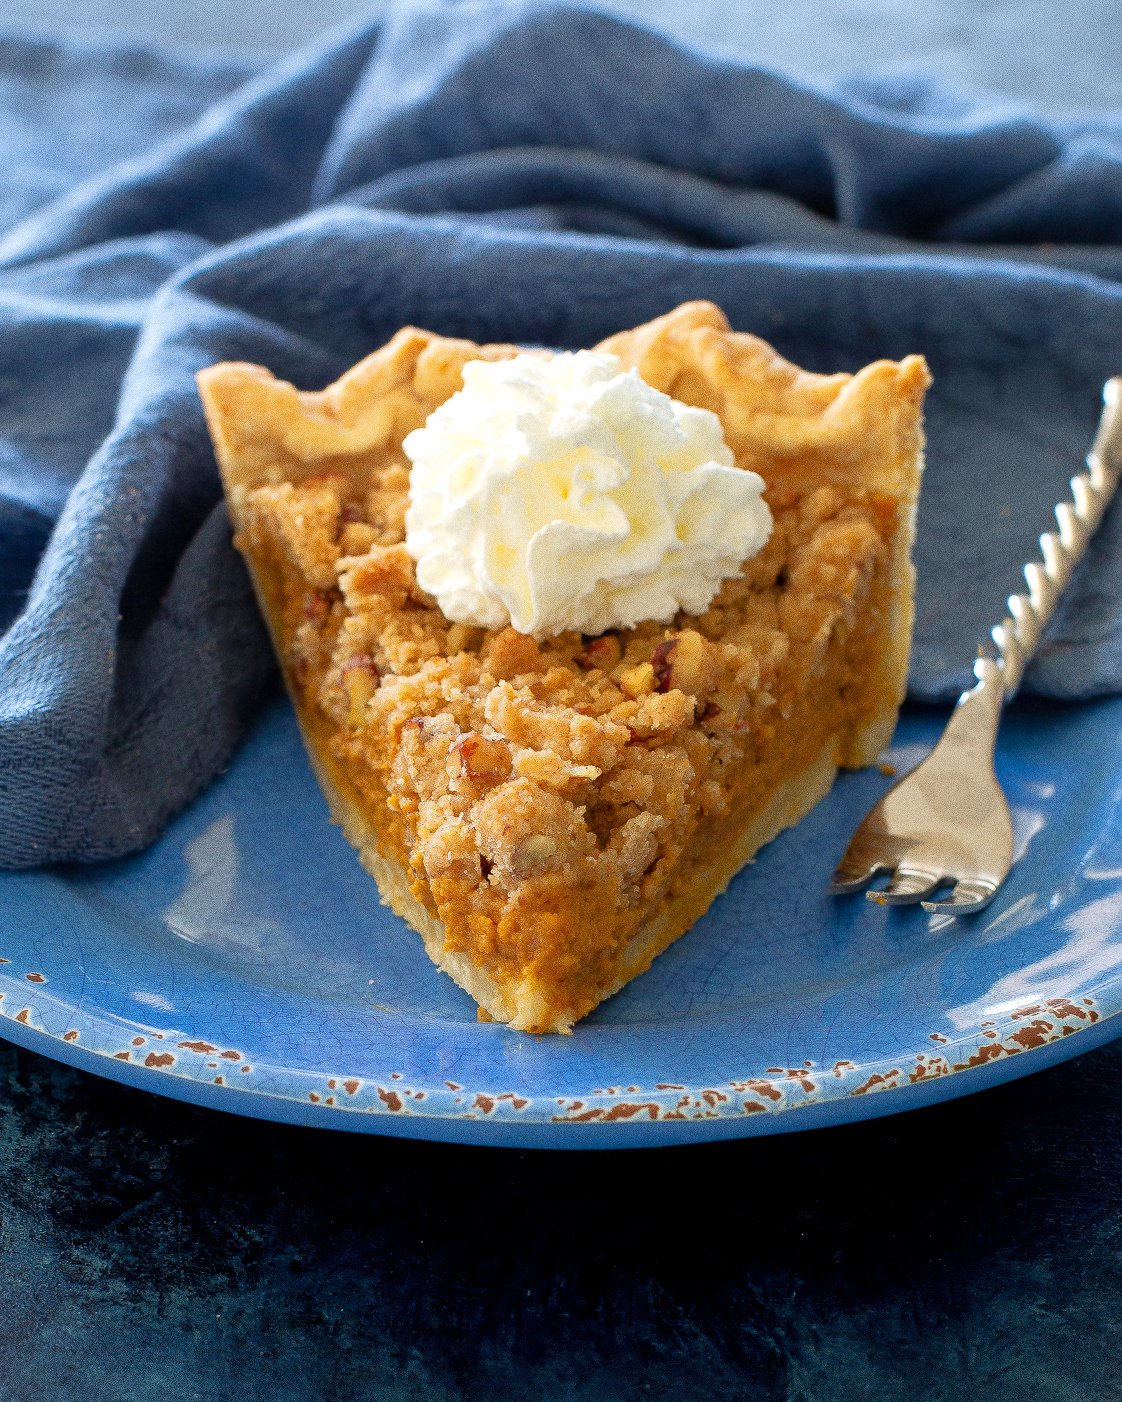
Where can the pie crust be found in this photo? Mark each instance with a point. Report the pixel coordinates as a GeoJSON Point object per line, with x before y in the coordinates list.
{"type": "Point", "coordinates": [551, 816]}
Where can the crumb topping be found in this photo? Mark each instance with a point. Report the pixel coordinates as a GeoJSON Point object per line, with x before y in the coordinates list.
{"type": "Point", "coordinates": [543, 794]}
{"type": "Point", "coordinates": [580, 763]}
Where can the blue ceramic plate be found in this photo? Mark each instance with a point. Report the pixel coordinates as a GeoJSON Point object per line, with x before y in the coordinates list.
{"type": "Point", "coordinates": [244, 963]}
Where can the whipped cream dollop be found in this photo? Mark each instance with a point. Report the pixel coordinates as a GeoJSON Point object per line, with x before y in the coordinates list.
{"type": "Point", "coordinates": [558, 494]}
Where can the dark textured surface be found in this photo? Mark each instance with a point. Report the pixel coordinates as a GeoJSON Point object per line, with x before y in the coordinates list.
{"type": "Point", "coordinates": [152, 1251]}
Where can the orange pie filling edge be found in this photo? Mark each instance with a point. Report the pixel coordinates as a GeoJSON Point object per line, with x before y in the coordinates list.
{"type": "Point", "coordinates": [551, 817]}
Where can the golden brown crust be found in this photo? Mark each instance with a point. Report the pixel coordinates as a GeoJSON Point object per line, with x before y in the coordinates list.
{"type": "Point", "coordinates": [547, 815]}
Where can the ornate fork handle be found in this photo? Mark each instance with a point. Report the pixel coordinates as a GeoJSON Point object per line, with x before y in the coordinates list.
{"type": "Point", "coordinates": [947, 823]}
{"type": "Point", "coordinates": [1018, 636]}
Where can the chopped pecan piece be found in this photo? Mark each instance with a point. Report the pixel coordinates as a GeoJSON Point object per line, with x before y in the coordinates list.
{"type": "Point", "coordinates": [532, 854]}
{"type": "Point", "coordinates": [359, 676]}
{"type": "Point", "coordinates": [685, 663]}
{"type": "Point", "coordinates": [480, 759]}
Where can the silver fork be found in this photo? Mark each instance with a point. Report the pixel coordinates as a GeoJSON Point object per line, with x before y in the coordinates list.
{"type": "Point", "coordinates": [947, 822]}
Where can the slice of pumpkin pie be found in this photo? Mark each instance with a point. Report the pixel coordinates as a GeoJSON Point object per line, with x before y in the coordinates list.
{"type": "Point", "coordinates": [570, 637]}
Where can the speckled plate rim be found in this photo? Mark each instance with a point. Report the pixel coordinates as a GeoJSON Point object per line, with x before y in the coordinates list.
{"type": "Point", "coordinates": [1028, 1040]}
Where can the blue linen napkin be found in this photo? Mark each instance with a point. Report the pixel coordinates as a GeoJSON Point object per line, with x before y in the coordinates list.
{"type": "Point", "coordinates": [505, 170]}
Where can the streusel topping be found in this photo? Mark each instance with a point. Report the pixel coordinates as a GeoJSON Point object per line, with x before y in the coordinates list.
{"type": "Point", "coordinates": [554, 799]}
{"type": "Point", "coordinates": [589, 761]}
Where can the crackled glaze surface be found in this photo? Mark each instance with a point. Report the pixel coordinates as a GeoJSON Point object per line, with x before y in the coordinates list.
{"type": "Point", "coordinates": [244, 962]}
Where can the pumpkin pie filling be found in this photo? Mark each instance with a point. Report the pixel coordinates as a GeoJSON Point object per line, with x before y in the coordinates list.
{"type": "Point", "coordinates": [551, 814]}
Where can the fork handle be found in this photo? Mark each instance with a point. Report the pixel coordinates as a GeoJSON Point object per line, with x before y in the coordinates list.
{"type": "Point", "coordinates": [1017, 637]}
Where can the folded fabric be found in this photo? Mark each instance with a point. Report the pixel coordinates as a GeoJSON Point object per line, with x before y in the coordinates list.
{"type": "Point", "coordinates": [531, 172]}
